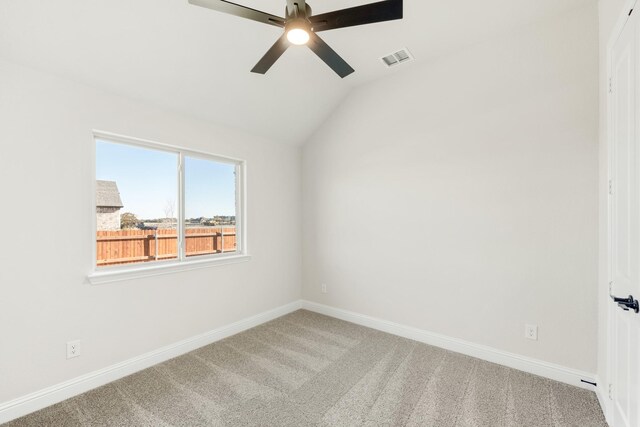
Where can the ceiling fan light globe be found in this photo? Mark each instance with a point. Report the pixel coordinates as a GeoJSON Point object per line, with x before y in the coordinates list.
{"type": "Point", "coordinates": [298, 36]}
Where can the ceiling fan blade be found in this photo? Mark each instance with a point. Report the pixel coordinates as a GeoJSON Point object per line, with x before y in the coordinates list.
{"type": "Point", "coordinates": [387, 10]}
{"type": "Point", "coordinates": [272, 55]}
{"type": "Point", "coordinates": [241, 11]}
{"type": "Point", "coordinates": [291, 7]}
{"type": "Point", "coordinates": [329, 56]}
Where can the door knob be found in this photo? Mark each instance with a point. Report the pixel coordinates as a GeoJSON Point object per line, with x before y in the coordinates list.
{"type": "Point", "coordinates": [627, 304]}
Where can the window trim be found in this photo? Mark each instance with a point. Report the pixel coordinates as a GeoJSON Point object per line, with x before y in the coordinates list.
{"type": "Point", "coordinates": [130, 271]}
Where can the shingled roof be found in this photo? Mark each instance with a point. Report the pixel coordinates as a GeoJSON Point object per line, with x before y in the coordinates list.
{"type": "Point", "coordinates": [107, 195]}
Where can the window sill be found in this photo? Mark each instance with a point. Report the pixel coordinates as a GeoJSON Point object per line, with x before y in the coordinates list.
{"type": "Point", "coordinates": [115, 275]}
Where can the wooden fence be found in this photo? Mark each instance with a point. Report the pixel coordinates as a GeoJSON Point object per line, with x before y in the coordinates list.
{"type": "Point", "coordinates": [133, 246]}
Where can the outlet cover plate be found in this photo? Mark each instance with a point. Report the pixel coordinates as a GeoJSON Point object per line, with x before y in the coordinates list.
{"type": "Point", "coordinates": [73, 349]}
{"type": "Point", "coordinates": [531, 332]}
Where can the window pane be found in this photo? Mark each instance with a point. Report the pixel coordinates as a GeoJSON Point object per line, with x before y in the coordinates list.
{"type": "Point", "coordinates": [136, 204]}
{"type": "Point", "coordinates": [210, 207]}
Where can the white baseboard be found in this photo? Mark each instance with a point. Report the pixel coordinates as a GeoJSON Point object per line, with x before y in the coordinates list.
{"type": "Point", "coordinates": [511, 360]}
{"type": "Point", "coordinates": [59, 392]}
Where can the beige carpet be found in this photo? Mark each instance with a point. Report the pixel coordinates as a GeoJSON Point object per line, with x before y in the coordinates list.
{"type": "Point", "coordinates": [305, 369]}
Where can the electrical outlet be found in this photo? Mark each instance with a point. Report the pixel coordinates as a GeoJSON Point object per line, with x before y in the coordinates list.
{"type": "Point", "coordinates": [531, 332]}
{"type": "Point", "coordinates": [324, 288]}
{"type": "Point", "coordinates": [73, 349]}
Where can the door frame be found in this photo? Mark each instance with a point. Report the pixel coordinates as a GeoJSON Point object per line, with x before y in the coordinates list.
{"type": "Point", "coordinates": [604, 390]}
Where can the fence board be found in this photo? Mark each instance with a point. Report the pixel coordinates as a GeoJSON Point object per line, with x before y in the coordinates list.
{"type": "Point", "coordinates": [136, 246]}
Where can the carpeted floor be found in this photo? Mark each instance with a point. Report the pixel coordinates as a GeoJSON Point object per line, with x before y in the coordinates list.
{"type": "Point", "coordinates": [305, 369]}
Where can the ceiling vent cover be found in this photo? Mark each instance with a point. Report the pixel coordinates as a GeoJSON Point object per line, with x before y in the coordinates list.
{"type": "Point", "coordinates": [399, 57]}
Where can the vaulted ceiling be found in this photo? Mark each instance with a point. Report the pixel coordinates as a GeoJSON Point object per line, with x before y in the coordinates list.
{"type": "Point", "coordinates": [196, 61]}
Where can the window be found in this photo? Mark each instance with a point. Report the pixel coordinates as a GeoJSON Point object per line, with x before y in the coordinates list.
{"type": "Point", "coordinates": [163, 206]}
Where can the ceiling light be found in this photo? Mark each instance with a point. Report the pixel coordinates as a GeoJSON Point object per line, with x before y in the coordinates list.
{"type": "Point", "coordinates": [298, 36]}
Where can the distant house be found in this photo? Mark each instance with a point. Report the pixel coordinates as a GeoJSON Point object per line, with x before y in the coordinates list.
{"type": "Point", "coordinates": [108, 205]}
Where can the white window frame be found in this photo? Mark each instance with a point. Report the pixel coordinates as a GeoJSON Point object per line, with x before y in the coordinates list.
{"type": "Point", "coordinates": [99, 275]}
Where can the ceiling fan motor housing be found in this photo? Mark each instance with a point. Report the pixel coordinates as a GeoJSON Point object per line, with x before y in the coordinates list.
{"type": "Point", "coordinates": [295, 23]}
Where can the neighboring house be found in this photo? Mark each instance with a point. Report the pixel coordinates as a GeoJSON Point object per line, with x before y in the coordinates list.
{"type": "Point", "coordinates": [108, 205]}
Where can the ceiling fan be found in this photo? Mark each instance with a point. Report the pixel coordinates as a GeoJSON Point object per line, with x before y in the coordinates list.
{"type": "Point", "coordinates": [300, 27]}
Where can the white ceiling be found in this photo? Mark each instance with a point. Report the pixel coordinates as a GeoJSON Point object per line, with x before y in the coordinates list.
{"type": "Point", "coordinates": [196, 61]}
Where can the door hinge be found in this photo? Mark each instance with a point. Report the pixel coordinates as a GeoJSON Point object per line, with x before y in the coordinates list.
{"type": "Point", "coordinates": [610, 187]}
{"type": "Point", "coordinates": [610, 391]}
{"type": "Point", "coordinates": [610, 85]}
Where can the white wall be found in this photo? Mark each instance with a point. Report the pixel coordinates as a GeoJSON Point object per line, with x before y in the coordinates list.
{"type": "Point", "coordinates": [609, 13]}
{"type": "Point", "coordinates": [46, 178]}
{"type": "Point", "coordinates": [461, 196]}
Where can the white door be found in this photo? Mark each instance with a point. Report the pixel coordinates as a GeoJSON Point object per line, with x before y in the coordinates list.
{"type": "Point", "coordinates": [625, 224]}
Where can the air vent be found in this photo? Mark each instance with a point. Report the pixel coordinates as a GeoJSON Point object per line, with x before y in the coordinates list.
{"type": "Point", "coordinates": [397, 58]}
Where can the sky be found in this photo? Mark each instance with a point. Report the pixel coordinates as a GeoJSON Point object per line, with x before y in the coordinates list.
{"type": "Point", "coordinates": [148, 181]}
